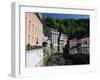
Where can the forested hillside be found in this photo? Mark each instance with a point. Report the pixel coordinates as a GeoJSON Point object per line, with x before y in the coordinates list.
{"type": "Point", "coordinates": [66, 26]}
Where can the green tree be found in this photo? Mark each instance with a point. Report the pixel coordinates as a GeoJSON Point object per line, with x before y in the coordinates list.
{"type": "Point", "coordinates": [66, 26]}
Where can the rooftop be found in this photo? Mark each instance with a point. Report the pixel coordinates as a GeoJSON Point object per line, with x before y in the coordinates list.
{"type": "Point", "coordinates": [80, 34]}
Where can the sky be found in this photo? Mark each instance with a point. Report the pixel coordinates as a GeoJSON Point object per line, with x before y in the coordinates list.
{"type": "Point", "coordinates": [63, 16]}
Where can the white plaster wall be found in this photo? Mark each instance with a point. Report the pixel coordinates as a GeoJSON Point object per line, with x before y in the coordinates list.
{"type": "Point", "coordinates": [34, 57]}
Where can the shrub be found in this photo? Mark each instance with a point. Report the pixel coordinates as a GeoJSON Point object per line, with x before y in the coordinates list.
{"type": "Point", "coordinates": [28, 47]}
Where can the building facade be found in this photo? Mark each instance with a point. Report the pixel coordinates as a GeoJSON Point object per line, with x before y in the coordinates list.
{"type": "Point", "coordinates": [53, 35]}
{"type": "Point", "coordinates": [33, 39]}
{"type": "Point", "coordinates": [53, 38]}
{"type": "Point", "coordinates": [79, 43]}
{"type": "Point", "coordinates": [34, 29]}
{"type": "Point", "coordinates": [84, 45]}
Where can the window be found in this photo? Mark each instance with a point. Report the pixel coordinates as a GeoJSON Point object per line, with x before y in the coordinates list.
{"type": "Point", "coordinates": [85, 43]}
{"type": "Point", "coordinates": [36, 30]}
{"type": "Point", "coordinates": [33, 27]}
{"type": "Point", "coordinates": [29, 23]}
{"type": "Point", "coordinates": [29, 38]}
{"type": "Point", "coordinates": [33, 39]}
{"type": "Point", "coordinates": [26, 21]}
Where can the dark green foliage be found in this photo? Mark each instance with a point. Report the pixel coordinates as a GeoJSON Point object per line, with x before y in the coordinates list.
{"type": "Point", "coordinates": [67, 26]}
{"type": "Point", "coordinates": [28, 47]}
{"type": "Point", "coordinates": [45, 59]}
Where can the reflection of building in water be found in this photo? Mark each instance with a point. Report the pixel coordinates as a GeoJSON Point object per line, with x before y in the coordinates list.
{"type": "Point", "coordinates": [34, 29]}
{"type": "Point", "coordinates": [79, 43]}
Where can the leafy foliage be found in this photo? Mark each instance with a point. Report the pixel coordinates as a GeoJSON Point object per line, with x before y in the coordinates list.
{"type": "Point", "coordinates": [66, 26]}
